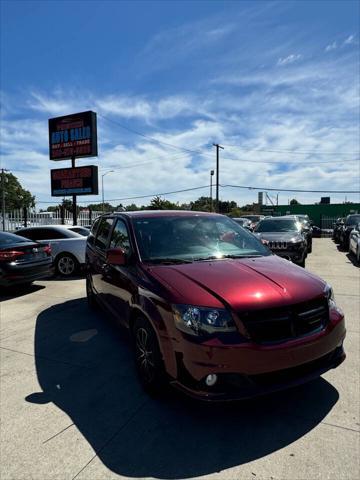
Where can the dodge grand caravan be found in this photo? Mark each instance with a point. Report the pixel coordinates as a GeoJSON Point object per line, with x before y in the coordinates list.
{"type": "Point", "coordinates": [209, 307]}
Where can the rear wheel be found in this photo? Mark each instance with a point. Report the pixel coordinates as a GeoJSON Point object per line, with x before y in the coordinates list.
{"type": "Point", "coordinates": [148, 361]}
{"type": "Point", "coordinates": [66, 265]}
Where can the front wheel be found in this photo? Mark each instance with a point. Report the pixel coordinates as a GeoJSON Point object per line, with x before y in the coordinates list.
{"type": "Point", "coordinates": [66, 265]}
{"type": "Point", "coordinates": [148, 360]}
{"type": "Point", "coordinates": [90, 296]}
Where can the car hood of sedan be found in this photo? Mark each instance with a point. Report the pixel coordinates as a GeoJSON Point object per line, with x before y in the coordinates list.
{"type": "Point", "coordinates": [280, 236]}
{"type": "Point", "coordinates": [242, 284]}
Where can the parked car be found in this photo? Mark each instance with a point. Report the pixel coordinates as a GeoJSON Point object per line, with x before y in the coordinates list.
{"type": "Point", "coordinates": [284, 236]}
{"type": "Point", "coordinates": [23, 261]}
{"type": "Point", "coordinates": [306, 228]}
{"type": "Point", "coordinates": [243, 222]}
{"type": "Point", "coordinates": [254, 219]}
{"type": "Point", "coordinates": [354, 242]}
{"type": "Point", "coordinates": [337, 227]}
{"type": "Point", "coordinates": [210, 309]}
{"type": "Point", "coordinates": [350, 223]}
{"type": "Point", "coordinates": [68, 247]}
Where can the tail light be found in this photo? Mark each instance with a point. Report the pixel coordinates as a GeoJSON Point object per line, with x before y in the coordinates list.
{"type": "Point", "coordinates": [47, 250]}
{"type": "Point", "coordinates": [10, 255]}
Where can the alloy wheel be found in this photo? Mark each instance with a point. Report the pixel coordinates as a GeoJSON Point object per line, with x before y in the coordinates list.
{"type": "Point", "coordinates": [66, 266]}
{"type": "Point", "coordinates": [145, 355]}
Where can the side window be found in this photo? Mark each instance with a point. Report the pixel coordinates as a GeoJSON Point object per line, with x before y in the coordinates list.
{"type": "Point", "coordinates": [52, 234]}
{"type": "Point", "coordinates": [103, 233]}
{"type": "Point", "coordinates": [91, 237]}
{"type": "Point", "coordinates": [120, 237]}
{"type": "Point", "coordinates": [30, 234]}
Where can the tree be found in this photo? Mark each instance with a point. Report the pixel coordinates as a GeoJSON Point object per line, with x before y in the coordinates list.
{"type": "Point", "coordinates": [16, 196]}
{"type": "Point", "coordinates": [158, 203]}
{"type": "Point", "coordinates": [294, 202]}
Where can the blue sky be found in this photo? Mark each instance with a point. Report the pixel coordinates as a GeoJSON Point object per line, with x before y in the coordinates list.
{"type": "Point", "coordinates": [275, 82]}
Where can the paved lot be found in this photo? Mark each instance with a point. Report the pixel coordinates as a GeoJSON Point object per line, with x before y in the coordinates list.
{"type": "Point", "coordinates": [71, 407]}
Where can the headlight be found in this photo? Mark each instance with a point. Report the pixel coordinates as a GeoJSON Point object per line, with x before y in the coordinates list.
{"type": "Point", "coordinates": [201, 320]}
{"type": "Point", "coordinates": [329, 293]}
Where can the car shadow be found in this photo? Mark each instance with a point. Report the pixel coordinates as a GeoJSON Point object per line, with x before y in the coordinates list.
{"type": "Point", "coordinates": [19, 291]}
{"type": "Point", "coordinates": [351, 257]}
{"type": "Point", "coordinates": [84, 366]}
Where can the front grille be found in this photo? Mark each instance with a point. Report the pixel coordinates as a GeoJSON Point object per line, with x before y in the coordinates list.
{"type": "Point", "coordinates": [278, 245]}
{"type": "Point", "coordinates": [280, 324]}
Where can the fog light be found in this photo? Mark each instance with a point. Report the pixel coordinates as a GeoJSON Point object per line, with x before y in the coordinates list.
{"type": "Point", "coordinates": [211, 379]}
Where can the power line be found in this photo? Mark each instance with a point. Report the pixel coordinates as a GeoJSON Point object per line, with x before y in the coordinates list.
{"type": "Point", "coordinates": [292, 152]}
{"type": "Point", "coordinates": [199, 152]}
{"type": "Point", "coordinates": [247, 187]}
{"type": "Point", "coordinates": [138, 196]}
{"type": "Point", "coordinates": [290, 190]}
{"type": "Point", "coordinates": [148, 137]}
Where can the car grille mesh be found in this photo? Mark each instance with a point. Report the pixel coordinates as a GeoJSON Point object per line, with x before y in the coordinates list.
{"type": "Point", "coordinates": [281, 324]}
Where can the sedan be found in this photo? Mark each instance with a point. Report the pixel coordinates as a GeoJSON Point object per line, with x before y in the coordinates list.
{"type": "Point", "coordinates": [68, 247]}
{"type": "Point", "coordinates": [350, 223]}
{"type": "Point", "coordinates": [354, 243]}
{"type": "Point", "coordinates": [23, 261]}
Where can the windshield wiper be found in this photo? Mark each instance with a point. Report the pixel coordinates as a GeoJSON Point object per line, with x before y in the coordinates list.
{"type": "Point", "coordinates": [169, 261]}
{"type": "Point", "coordinates": [242, 256]}
{"type": "Point", "coordinates": [204, 259]}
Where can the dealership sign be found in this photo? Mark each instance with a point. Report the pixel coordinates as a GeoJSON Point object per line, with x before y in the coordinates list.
{"type": "Point", "coordinates": [73, 136]}
{"type": "Point", "coordinates": [74, 181]}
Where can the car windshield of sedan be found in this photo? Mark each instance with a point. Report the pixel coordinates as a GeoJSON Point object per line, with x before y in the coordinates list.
{"type": "Point", "coordinates": [277, 226]}
{"type": "Point", "coordinates": [193, 238]}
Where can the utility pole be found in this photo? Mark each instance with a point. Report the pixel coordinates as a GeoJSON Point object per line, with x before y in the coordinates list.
{"type": "Point", "coordinates": [74, 196]}
{"type": "Point", "coordinates": [217, 174]}
{"type": "Point", "coordinates": [211, 200]}
{"type": "Point", "coordinates": [3, 197]}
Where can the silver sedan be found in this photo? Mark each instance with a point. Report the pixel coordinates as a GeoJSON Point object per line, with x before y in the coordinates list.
{"type": "Point", "coordinates": [67, 246]}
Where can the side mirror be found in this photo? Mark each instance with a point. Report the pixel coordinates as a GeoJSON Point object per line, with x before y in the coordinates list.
{"type": "Point", "coordinates": [116, 256]}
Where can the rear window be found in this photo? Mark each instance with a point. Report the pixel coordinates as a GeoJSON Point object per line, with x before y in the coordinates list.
{"type": "Point", "coordinates": [10, 238]}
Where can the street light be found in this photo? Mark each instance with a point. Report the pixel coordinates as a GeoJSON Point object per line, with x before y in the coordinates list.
{"type": "Point", "coordinates": [102, 188]}
{"type": "Point", "coordinates": [211, 201]}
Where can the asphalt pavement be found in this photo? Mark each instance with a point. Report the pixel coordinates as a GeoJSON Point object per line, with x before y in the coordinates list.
{"type": "Point", "coordinates": [71, 406]}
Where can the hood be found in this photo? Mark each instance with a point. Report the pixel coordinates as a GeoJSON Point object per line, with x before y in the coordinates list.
{"type": "Point", "coordinates": [280, 236]}
{"type": "Point", "coordinates": [241, 284]}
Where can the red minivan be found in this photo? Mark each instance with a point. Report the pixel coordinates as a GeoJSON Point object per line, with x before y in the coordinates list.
{"type": "Point", "coordinates": [210, 309]}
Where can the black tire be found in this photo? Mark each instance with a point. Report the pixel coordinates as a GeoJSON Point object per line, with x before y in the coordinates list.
{"type": "Point", "coordinates": [302, 263]}
{"type": "Point", "coordinates": [148, 360]}
{"type": "Point", "coordinates": [90, 296]}
{"type": "Point", "coordinates": [309, 250]}
{"type": "Point", "coordinates": [66, 265]}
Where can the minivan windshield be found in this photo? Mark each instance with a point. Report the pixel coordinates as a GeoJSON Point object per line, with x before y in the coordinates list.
{"type": "Point", "coordinates": [176, 239]}
{"type": "Point", "coordinates": [277, 226]}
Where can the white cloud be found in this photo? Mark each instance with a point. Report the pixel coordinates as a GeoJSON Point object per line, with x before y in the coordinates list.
{"type": "Point", "coordinates": [331, 46]}
{"type": "Point", "coordinates": [350, 40]}
{"type": "Point", "coordinates": [289, 59]}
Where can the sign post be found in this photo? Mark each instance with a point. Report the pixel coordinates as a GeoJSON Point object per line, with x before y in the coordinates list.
{"type": "Point", "coordinates": [70, 137]}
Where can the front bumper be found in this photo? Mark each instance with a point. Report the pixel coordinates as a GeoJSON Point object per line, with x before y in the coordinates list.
{"type": "Point", "coordinates": [295, 256]}
{"type": "Point", "coordinates": [231, 387]}
{"type": "Point", "coordinates": [248, 369]}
